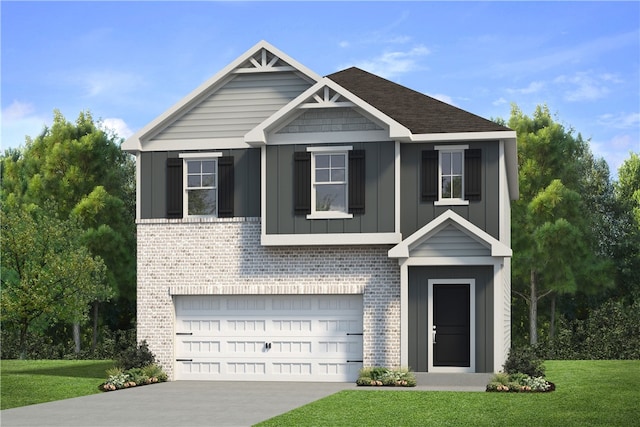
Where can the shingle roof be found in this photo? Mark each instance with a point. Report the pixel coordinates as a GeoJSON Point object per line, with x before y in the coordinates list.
{"type": "Point", "coordinates": [418, 112]}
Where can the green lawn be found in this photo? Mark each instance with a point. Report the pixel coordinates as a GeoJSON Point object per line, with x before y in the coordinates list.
{"type": "Point", "coordinates": [25, 382]}
{"type": "Point", "coordinates": [589, 393]}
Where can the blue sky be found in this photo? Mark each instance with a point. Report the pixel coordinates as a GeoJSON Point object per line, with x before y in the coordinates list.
{"type": "Point", "coordinates": [127, 62]}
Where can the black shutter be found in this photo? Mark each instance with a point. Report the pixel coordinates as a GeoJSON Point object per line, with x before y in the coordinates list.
{"type": "Point", "coordinates": [357, 179]}
{"type": "Point", "coordinates": [175, 190]}
{"type": "Point", "coordinates": [301, 183]}
{"type": "Point", "coordinates": [473, 174]}
{"type": "Point", "coordinates": [429, 176]}
{"type": "Point", "coordinates": [225, 187]}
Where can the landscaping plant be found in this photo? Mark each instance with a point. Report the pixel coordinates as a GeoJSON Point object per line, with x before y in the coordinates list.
{"type": "Point", "coordinates": [379, 376]}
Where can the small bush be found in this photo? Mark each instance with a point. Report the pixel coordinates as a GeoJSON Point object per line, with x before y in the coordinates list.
{"type": "Point", "coordinates": [118, 378]}
{"type": "Point", "coordinates": [378, 376]}
{"type": "Point", "coordinates": [524, 360]}
{"type": "Point", "coordinates": [136, 357]}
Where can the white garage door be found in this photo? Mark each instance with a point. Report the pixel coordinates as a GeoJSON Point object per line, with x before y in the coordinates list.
{"type": "Point", "coordinates": [269, 337]}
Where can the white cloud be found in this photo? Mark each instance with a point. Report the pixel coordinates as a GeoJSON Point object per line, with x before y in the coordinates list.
{"type": "Point", "coordinates": [16, 111]}
{"type": "Point", "coordinates": [620, 121]}
{"type": "Point", "coordinates": [584, 86]}
{"type": "Point", "coordinates": [499, 101]}
{"type": "Point", "coordinates": [19, 120]}
{"type": "Point", "coordinates": [118, 126]}
{"type": "Point", "coordinates": [392, 63]}
{"type": "Point", "coordinates": [533, 87]}
{"type": "Point", "coordinates": [106, 83]}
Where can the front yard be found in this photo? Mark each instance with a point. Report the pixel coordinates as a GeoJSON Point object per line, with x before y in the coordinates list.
{"type": "Point", "coordinates": [588, 393]}
{"type": "Point", "coordinates": [25, 382]}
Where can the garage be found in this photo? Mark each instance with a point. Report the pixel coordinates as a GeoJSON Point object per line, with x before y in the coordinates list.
{"type": "Point", "coordinates": [268, 337]}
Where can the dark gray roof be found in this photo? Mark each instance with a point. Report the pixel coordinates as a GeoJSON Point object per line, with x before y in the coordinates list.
{"type": "Point", "coordinates": [418, 112]}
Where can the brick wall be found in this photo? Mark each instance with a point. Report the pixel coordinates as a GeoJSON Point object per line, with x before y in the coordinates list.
{"type": "Point", "coordinates": [224, 256]}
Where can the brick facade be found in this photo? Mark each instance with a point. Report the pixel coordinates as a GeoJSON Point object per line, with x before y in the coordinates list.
{"type": "Point", "coordinates": [206, 256]}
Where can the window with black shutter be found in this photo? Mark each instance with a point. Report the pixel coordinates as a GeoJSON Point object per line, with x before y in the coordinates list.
{"type": "Point", "coordinates": [302, 183]}
{"type": "Point", "coordinates": [473, 174]}
{"type": "Point", "coordinates": [429, 176]}
{"type": "Point", "coordinates": [175, 189]}
{"type": "Point", "coordinates": [200, 184]}
{"type": "Point", "coordinates": [451, 175]}
{"type": "Point", "coordinates": [357, 177]}
{"type": "Point", "coordinates": [225, 187]}
{"type": "Point", "coordinates": [329, 184]}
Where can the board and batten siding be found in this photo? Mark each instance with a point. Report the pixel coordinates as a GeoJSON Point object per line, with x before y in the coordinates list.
{"type": "Point", "coordinates": [237, 107]}
{"type": "Point", "coordinates": [379, 214]}
{"type": "Point", "coordinates": [246, 171]}
{"type": "Point", "coordinates": [419, 307]}
{"type": "Point", "coordinates": [483, 213]}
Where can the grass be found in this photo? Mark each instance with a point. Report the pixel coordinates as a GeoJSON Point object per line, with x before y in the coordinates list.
{"type": "Point", "coordinates": [588, 393]}
{"type": "Point", "coordinates": [26, 382]}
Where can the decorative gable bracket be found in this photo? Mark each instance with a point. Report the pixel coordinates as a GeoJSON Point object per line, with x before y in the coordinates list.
{"type": "Point", "coordinates": [264, 61]}
{"type": "Point", "coordinates": [327, 98]}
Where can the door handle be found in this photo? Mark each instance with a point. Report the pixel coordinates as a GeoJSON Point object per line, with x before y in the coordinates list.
{"type": "Point", "coordinates": [433, 334]}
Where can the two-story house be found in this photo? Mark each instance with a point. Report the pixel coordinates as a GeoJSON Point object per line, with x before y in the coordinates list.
{"type": "Point", "coordinates": [294, 227]}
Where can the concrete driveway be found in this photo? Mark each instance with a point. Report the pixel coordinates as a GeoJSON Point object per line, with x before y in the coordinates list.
{"type": "Point", "coordinates": [178, 403]}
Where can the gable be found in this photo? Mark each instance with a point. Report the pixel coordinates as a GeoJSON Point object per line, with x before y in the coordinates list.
{"type": "Point", "coordinates": [450, 235]}
{"type": "Point", "coordinates": [236, 107]}
{"type": "Point", "coordinates": [449, 241]}
{"type": "Point", "coordinates": [222, 109]}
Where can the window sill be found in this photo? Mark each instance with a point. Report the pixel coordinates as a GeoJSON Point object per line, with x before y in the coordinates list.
{"type": "Point", "coordinates": [329, 215]}
{"type": "Point", "coordinates": [451, 202]}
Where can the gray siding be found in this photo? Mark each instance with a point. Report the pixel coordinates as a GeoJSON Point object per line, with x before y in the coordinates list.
{"type": "Point", "coordinates": [237, 107]}
{"type": "Point", "coordinates": [419, 305]}
{"type": "Point", "coordinates": [415, 213]}
{"type": "Point", "coordinates": [379, 198]}
{"type": "Point", "coordinates": [330, 120]}
{"type": "Point", "coordinates": [450, 242]}
{"type": "Point", "coordinates": [153, 166]}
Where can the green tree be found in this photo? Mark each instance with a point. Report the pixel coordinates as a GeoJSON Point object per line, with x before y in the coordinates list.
{"type": "Point", "coordinates": [47, 273]}
{"type": "Point", "coordinates": [553, 231]}
{"type": "Point", "coordinates": [627, 248]}
{"type": "Point", "coordinates": [79, 170]}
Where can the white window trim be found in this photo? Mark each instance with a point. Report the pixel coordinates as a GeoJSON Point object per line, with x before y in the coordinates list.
{"type": "Point", "coordinates": [329, 214]}
{"type": "Point", "coordinates": [452, 201]}
{"type": "Point", "coordinates": [185, 172]}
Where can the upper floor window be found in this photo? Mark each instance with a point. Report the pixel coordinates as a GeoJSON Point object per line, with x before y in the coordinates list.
{"type": "Point", "coordinates": [202, 187]}
{"type": "Point", "coordinates": [329, 183]}
{"type": "Point", "coordinates": [451, 183]}
{"type": "Point", "coordinates": [451, 175]}
{"type": "Point", "coordinates": [200, 184]}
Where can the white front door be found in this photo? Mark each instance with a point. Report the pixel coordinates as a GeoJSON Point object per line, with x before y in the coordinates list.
{"type": "Point", "coordinates": [269, 337]}
{"type": "Point", "coordinates": [451, 325]}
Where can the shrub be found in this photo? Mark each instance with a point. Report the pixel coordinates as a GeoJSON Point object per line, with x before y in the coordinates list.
{"type": "Point", "coordinates": [524, 360]}
{"type": "Point", "coordinates": [379, 376]}
{"type": "Point", "coordinates": [136, 357]}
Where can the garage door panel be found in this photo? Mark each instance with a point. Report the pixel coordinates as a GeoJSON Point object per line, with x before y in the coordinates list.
{"type": "Point", "coordinates": [196, 348]}
{"type": "Point", "coordinates": [269, 338]}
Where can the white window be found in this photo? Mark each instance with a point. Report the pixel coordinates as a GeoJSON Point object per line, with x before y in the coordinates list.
{"type": "Point", "coordinates": [451, 175]}
{"type": "Point", "coordinates": [201, 190]}
{"type": "Point", "coordinates": [329, 182]}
